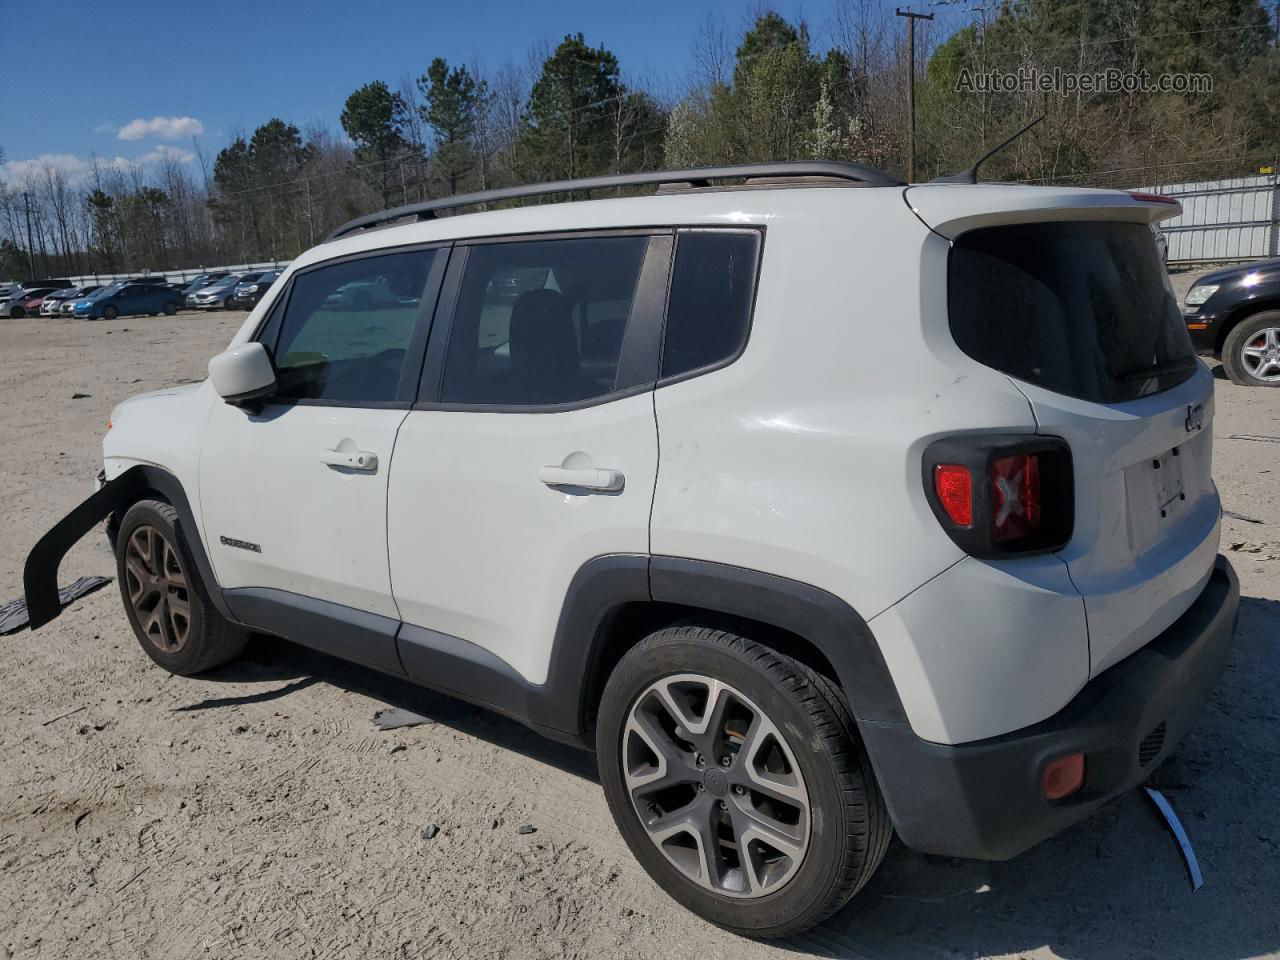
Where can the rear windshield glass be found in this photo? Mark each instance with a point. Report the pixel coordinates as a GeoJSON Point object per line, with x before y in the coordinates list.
{"type": "Point", "coordinates": [1081, 309]}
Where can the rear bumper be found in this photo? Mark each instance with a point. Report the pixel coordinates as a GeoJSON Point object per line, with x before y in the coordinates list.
{"type": "Point", "coordinates": [983, 799]}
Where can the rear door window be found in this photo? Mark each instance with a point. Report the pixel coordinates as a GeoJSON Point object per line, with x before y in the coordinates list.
{"type": "Point", "coordinates": [541, 322]}
{"type": "Point", "coordinates": [1082, 309]}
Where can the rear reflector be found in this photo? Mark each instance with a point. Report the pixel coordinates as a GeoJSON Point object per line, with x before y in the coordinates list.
{"type": "Point", "coordinates": [954, 487]}
{"type": "Point", "coordinates": [1063, 777]}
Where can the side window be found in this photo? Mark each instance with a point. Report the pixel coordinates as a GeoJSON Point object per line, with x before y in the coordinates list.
{"type": "Point", "coordinates": [344, 332]}
{"type": "Point", "coordinates": [712, 289]}
{"type": "Point", "coordinates": [541, 321]}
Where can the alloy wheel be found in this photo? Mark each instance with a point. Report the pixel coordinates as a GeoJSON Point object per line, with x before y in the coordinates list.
{"type": "Point", "coordinates": [158, 590]}
{"type": "Point", "coordinates": [1260, 354]}
{"type": "Point", "coordinates": [716, 786]}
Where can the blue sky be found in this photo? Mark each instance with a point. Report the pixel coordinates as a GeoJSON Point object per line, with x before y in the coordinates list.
{"type": "Point", "coordinates": [182, 67]}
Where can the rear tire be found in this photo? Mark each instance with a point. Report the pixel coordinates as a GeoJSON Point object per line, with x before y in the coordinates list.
{"type": "Point", "coordinates": [783, 777]}
{"type": "Point", "coordinates": [110, 312]}
{"type": "Point", "coordinates": [167, 605]}
{"type": "Point", "coordinates": [170, 309]}
{"type": "Point", "coordinates": [17, 313]}
{"type": "Point", "coordinates": [1252, 348]}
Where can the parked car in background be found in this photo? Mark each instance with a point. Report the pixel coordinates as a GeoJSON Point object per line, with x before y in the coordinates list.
{"type": "Point", "coordinates": [198, 283]}
{"type": "Point", "coordinates": [54, 302]}
{"type": "Point", "coordinates": [248, 292]}
{"type": "Point", "coordinates": [1162, 243]}
{"type": "Point", "coordinates": [1234, 315]}
{"type": "Point", "coordinates": [50, 283]}
{"type": "Point", "coordinates": [216, 295]}
{"type": "Point", "coordinates": [27, 301]}
{"type": "Point", "coordinates": [129, 299]}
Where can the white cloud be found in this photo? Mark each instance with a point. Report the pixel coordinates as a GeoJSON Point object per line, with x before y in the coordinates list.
{"type": "Point", "coordinates": [78, 169]}
{"type": "Point", "coordinates": [161, 128]}
{"type": "Point", "coordinates": [72, 167]}
{"type": "Point", "coordinates": [162, 152]}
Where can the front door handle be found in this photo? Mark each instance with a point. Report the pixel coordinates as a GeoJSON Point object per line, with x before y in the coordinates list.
{"type": "Point", "coordinates": [360, 460]}
{"type": "Point", "coordinates": [588, 479]}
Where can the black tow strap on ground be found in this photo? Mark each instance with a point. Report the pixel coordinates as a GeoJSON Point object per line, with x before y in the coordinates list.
{"type": "Point", "coordinates": [14, 616]}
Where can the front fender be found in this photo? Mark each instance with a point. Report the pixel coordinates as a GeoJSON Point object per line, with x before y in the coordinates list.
{"type": "Point", "coordinates": [40, 573]}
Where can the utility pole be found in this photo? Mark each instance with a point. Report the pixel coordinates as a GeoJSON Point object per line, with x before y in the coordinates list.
{"type": "Point", "coordinates": [911, 87]}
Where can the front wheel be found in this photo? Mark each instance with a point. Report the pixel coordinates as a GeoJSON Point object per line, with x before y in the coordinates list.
{"type": "Point", "coordinates": [167, 605]}
{"type": "Point", "coordinates": [737, 778]}
{"type": "Point", "coordinates": [1251, 352]}
{"type": "Point", "coordinates": [17, 313]}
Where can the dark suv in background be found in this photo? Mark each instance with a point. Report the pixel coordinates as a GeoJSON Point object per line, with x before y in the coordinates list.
{"type": "Point", "coordinates": [1234, 315]}
{"type": "Point", "coordinates": [248, 292]}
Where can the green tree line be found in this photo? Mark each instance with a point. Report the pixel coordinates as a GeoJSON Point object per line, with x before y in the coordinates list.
{"type": "Point", "coordinates": [765, 92]}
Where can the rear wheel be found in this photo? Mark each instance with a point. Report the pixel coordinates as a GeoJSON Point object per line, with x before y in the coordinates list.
{"type": "Point", "coordinates": [17, 313]}
{"type": "Point", "coordinates": [1251, 352]}
{"type": "Point", "coordinates": [170, 309]}
{"type": "Point", "coordinates": [110, 312]}
{"type": "Point", "coordinates": [166, 604]}
{"type": "Point", "coordinates": [738, 780]}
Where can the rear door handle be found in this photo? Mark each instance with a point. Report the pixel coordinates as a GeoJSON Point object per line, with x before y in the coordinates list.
{"type": "Point", "coordinates": [351, 459]}
{"type": "Point", "coordinates": [589, 479]}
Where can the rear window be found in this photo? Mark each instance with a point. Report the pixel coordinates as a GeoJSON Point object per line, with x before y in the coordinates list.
{"type": "Point", "coordinates": [1081, 309]}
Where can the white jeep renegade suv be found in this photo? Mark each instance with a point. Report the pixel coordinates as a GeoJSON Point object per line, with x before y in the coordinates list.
{"type": "Point", "coordinates": [821, 505]}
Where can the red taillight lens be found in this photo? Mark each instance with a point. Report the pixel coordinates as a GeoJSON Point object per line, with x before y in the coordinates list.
{"type": "Point", "coordinates": [1015, 496]}
{"type": "Point", "coordinates": [1001, 494]}
{"type": "Point", "coordinates": [954, 486]}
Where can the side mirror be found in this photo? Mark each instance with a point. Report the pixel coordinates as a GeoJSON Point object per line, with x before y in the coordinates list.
{"type": "Point", "coordinates": [243, 374]}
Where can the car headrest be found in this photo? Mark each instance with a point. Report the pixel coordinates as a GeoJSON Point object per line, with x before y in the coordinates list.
{"type": "Point", "coordinates": [543, 342]}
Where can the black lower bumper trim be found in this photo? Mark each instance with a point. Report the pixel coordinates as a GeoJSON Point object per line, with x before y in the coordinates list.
{"type": "Point", "coordinates": [983, 799]}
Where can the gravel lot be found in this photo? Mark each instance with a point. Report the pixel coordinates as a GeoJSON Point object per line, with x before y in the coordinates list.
{"type": "Point", "coordinates": [256, 812]}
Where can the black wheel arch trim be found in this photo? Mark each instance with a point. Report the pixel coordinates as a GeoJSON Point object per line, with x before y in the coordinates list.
{"type": "Point", "coordinates": [832, 626]}
{"type": "Point", "coordinates": [40, 572]}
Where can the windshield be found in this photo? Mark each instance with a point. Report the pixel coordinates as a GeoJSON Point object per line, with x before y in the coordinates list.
{"type": "Point", "coordinates": [1083, 309]}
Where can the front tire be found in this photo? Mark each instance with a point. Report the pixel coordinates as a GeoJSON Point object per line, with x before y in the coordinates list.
{"type": "Point", "coordinates": [167, 605]}
{"type": "Point", "coordinates": [1251, 352]}
{"type": "Point", "coordinates": [737, 778]}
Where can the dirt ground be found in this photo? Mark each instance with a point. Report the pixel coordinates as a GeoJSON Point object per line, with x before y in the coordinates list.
{"type": "Point", "coordinates": [257, 812]}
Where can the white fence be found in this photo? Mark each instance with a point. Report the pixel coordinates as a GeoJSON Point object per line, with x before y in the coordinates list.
{"type": "Point", "coordinates": [1236, 219]}
{"type": "Point", "coordinates": [177, 276]}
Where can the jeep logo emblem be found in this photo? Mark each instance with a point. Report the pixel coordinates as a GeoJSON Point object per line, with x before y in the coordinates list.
{"type": "Point", "coordinates": [1195, 417]}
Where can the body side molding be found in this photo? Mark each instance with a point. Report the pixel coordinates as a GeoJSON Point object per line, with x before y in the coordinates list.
{"type": "Point", "coordinates": [356, 635]}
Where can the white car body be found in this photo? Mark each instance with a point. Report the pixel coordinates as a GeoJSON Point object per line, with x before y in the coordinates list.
{"type": "Point", "coordinates": [440, 540]}
{"type": "Point", "coordinates": [467, 479]}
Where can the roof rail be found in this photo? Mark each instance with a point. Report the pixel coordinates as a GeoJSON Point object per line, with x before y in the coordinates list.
{"type": "Point", "coordinates": [697, 176]}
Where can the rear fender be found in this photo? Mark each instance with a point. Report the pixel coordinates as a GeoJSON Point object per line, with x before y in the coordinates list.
{"type": "Point", "coordinates": [40, 574]}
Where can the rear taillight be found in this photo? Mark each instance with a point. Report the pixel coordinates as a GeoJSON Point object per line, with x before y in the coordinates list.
{"type": "Point", "coordinates": [999, 494]}
{"type": "Point", "coordinates": [954, 487]}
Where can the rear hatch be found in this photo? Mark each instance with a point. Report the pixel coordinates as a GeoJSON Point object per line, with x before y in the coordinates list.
{"type": "Point", "coordinates": [1063, 291]}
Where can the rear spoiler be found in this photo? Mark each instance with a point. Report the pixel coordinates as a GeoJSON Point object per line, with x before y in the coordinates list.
{"type": "Point", "coordinates": [953, 209]}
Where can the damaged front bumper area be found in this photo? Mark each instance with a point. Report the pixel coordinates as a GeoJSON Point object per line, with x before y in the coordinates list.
{"type": "Point", "coordinates": [40, 574]}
